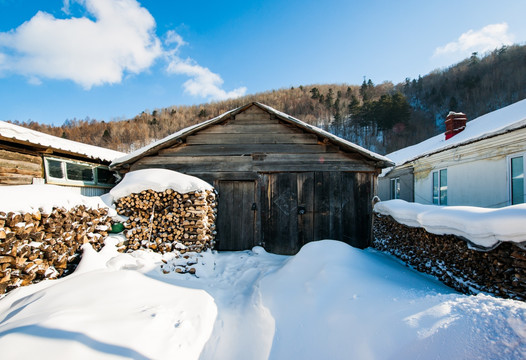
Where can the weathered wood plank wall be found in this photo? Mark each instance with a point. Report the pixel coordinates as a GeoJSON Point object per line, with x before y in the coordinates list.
{"type": "Point", "coordinates": [18, 168]}
{"type": "Point", "coordinates": [253, 142]}
{"type": "Point", "coordinates": [297, 208]}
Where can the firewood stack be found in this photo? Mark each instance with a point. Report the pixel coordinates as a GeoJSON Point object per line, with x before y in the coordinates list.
{"type": "Point", "coordinates": [41, 246]}
{"type": "Point", "coordinates": [167, 221]}
{"type": "Point", "coordinates": [500, 271]}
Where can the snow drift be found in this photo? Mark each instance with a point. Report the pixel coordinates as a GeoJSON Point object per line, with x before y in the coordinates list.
{"type": "Point", "coordinates": [483, 227]}
{"type": "Point", "coordinates": [328, 301]}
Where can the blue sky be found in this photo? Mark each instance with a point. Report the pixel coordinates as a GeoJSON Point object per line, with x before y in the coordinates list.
{"type": "Point", "coordinates": [109, 59]}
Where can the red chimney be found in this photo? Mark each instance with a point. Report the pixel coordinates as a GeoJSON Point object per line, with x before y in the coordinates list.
{"type": "Point", "coordinates": [455, 123]}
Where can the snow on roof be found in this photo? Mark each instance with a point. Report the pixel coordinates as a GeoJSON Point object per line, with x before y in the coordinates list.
{"type": "Point", "coordinates": [22, 134]}
{"type": "Point", "coordinates": [494, 123]}
{"type": "Point", "coordinates": [169, 140]}
{"type": "Point", "coordinates": [157, 180]}
{"type": "Point", "coordinates": [43, 198]}
{"type": "Point", "coordinates": [485, 228]}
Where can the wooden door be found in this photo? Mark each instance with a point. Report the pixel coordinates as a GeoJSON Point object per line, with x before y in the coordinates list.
{"type": "Point", "coordinates": [287, 211]}
{"type": "Point", "coordinates": [236, 215]}
{"type": "Point", "coordinates": [297, 208]}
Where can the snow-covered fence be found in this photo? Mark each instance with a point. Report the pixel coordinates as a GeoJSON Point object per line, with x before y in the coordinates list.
{"type": "Point", "coordinates": [469, 249]}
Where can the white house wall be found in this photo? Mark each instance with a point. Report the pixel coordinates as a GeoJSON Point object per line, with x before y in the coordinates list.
{"type": "Point", "coordinates": [477, 173]}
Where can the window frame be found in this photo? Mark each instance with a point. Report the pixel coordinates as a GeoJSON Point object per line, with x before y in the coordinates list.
{"type": "Point", "coordinates": [509, 176]}
{"type": "Point", "coordinates": [441, 193]}
{"type": "Point", "coordinates": [64, 180]}
{"type": "Point", "coordinates": [394, 183]}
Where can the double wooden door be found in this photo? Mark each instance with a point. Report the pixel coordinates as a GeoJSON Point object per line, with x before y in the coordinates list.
{"type": "Point", "coordinates": [284, 211]}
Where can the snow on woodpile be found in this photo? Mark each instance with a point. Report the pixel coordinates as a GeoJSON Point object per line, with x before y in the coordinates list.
{"type": "Point", "coordinates": [482, 226]}
{"type": "Point", "coordinates": [158, 180]}
{"type": "Point", "coordinates": [43, 198]}
{"type": "Point", "coordinates": [19, 133]}
{"type": "Point", "coordinates": [167, 211]}
{"type": "Point", "coordinates": [42, 228]}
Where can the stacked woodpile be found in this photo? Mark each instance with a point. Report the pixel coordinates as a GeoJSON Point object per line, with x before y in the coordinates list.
{"type": "Point", "coordinates": [501, 271]}
{"type": "Point", "coordinates": [37, 246]}
{"type": "Point", "coordinates": [167, 221]}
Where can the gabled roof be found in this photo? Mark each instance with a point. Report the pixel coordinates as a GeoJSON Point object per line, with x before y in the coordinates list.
{"type": "Point", "coordinates": [381, 161]}
{"type": "Point", "coordinates": [495, 123]}
{"type": "Point", "coordinates": [21, 135]}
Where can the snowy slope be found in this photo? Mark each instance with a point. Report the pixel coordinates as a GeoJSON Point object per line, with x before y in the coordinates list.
{"type": "Point", "coordinates": [11, 131]}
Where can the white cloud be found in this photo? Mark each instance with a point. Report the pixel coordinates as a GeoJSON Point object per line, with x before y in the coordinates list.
{"type": "Point", "coordinates": [174, 38]}
{"type": "Point", "coordinates": [88, 52]}
{"type": "Point", "coordinates": [119, 38]}
{"type": "Point", "coordinates": [202, 82]}
{"type": "Point", "coordinates": [488, 38]}
{"type": "Point", "coordinates": [65, 6]}
{"type": "Point", "coordinates": [34, 81]}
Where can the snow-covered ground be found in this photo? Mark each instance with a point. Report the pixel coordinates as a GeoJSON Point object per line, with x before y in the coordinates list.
{"type": "Point", "coordinates": [330, 301]}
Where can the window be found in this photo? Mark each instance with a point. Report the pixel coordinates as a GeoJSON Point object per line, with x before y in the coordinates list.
{"type": "Point", "coordinates": [517, 180]}
{"type": "Point", "coordinates": [62, 171]}
{"type": "Point", "coordinates": [79, 172]}
{"type": "Point", "coordinates": [105, 176]}
{"type": "Point", "coordinates": [440, 187]}
{"type": "Point", "coordinates": [395, 188]}
{"type": "Point", "coordinates": [54, 169]}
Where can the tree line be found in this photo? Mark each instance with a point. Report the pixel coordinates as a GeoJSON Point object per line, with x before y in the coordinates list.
{"type": "Point", "coordinates": [381, 117]}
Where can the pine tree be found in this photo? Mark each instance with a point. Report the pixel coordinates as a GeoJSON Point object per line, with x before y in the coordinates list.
{"type": "Point", "coordinates": [315, 93]}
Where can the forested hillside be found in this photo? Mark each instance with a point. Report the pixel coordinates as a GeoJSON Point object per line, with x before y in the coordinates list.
{"type": "Point", "coordinates": [381, 117]}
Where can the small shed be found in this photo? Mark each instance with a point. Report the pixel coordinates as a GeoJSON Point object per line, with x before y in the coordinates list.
{"type": "Point", "coordinates": [32, 157]}
{"type": "Point", "coordinates": [281, 182]}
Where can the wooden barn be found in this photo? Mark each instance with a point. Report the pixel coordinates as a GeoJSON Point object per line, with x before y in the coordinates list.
{"type": "Point", "coordinates": [281, 182]}
{"type": "Point", "coordinates": [32, 157]}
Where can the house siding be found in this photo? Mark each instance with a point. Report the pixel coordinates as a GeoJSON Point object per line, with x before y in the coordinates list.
{"type": "Point", "coordinates": [405, 175]}
{"type": "Point", "coordinates": [477, 172]}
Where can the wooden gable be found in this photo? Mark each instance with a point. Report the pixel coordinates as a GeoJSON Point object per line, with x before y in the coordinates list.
{"type": "Point", "coordinates": [251, 142]}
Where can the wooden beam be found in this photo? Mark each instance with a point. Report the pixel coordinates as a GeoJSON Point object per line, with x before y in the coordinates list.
{"type": "Point", "coordinates": [252, 139]}
{"type": "Point", "coordinates": [246, 149]}
{"type": "Point", "coordinates": [232, 128]}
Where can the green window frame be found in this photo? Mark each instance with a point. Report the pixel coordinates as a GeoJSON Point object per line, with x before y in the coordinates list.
{"type": "Point", "coordinates": [76, 173]}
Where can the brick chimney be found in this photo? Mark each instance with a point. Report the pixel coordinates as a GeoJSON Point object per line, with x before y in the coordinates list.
{"type": "Point", "coordinates": [455, 123]}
